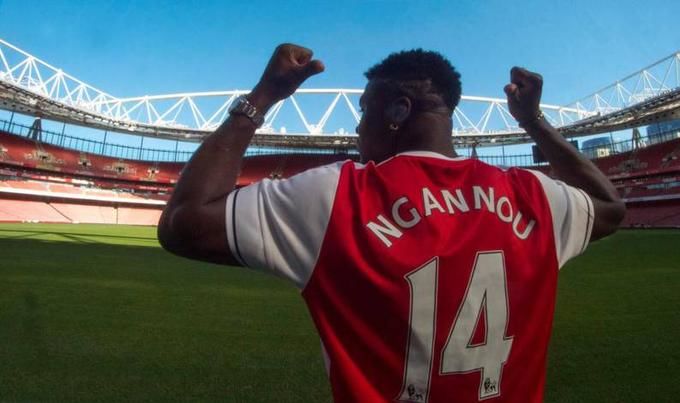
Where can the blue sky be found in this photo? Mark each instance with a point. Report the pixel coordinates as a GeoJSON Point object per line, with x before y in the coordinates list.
{"type": "Point", "coordinates": [151, 47]}
{"type": "Point", "coordinates": [135, 48]}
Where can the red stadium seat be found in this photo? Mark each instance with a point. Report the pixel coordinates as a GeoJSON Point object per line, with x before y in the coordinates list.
{"type": "Point", "coordinates": [138, 216]}
{"type": "Point", "coordinates": [653, 215]}
{"type": "Point", "coordinates": [642, 176]}
{"type": "Point", "coordinates": [80, 213]}
{"type": "Point", "coordinates": [29, 211]}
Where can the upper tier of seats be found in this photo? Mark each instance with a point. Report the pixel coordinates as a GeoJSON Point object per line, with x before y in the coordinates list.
{"type": "Point", "coordinates": [58, 183]}
{"type": "Point", "coordinates": [23, 152]}
{"type": "Point", "coordinates": [107, 172]}
{"type": "Point", "coordinates": [19, 151]}
{"type": "Point", "coordinates": [652, 160]}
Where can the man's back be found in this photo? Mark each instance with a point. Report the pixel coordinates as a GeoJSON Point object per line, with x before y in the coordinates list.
{"type": "Point", "coordinates": [438, 274]}
{"type": "Point", "coordinates": [414, 299]}
{"type": "Point", "coordinates": [433, 279]}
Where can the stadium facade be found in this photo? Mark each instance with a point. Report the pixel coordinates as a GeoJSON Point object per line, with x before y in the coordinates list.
{"type": "Point", "coordinates": [53, 176]}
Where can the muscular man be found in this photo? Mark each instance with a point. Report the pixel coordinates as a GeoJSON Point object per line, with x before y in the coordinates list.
{"type": "Point", "coordinates": [429, 277]}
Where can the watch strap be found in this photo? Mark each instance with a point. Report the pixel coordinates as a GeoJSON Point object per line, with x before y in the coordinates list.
{"type": "Point", "coordinates": [242, 107]}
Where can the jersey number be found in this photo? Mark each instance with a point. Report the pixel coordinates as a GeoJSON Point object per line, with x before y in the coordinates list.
{"type": "Point", "coordinates": [486, 298]}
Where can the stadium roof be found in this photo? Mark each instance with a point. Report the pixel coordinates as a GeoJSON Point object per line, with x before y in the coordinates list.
{"type": "Point", "coordinates": [31, 86]}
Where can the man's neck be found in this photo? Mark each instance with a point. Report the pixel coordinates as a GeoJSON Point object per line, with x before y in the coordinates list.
{"type": "Point", "coordinates": [429, 132]}
{"type": "Point", "coordinates": [442, 149]}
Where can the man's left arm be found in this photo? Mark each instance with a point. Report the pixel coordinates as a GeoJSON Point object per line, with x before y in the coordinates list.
{"type": "Point", "coordinates": [603, 207]}
{"type": "Point", "coordinates": [193, 222]}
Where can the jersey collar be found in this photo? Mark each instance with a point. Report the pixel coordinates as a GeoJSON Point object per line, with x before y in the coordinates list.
{"type": "Point", "coordinates": [429, 154]}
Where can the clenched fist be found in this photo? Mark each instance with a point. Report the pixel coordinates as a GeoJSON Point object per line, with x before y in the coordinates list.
{"type": "Point", "coordinates": [288, 68]}
{"type": "Point", "coordinates": [524, 94]}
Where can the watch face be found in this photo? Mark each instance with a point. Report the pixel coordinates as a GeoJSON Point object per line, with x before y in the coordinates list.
{"type": "Point", "coordinates": [241, 106]}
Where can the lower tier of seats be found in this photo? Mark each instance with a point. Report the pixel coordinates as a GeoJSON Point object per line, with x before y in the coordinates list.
{"type": "Point", "coordinates": [654, 215]}
{"type": "Point", "coordinates": [649, 214]}
{"type": "Point", "coordinates": [61, 212]}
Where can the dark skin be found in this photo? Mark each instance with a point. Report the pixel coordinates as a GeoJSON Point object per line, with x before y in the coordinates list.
{"type": "Point", "coordinates": [417, 128]}
{"type": "Point", "coordinates": [192, 224]}
{"type": "Point", "coordinates": [524, 96]}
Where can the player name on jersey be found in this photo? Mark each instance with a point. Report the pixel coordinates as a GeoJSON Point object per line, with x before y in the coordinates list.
{"type": "Point", "coordinates": [407, 214]}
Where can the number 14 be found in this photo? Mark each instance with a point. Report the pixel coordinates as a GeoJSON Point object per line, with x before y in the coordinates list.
{"type": "Point", "coordinates": [487, 295]}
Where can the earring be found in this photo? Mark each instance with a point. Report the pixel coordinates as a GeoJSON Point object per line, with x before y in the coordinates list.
{"type": "Point", "coordinates": [394, 126]}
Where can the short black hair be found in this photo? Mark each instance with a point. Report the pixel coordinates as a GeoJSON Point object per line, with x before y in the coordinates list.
{"type": "Point", "coordinates": [420, 65]}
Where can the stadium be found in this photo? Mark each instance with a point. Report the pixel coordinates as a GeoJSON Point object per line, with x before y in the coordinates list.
{"type": "Point", "coordinates": [53, 177]}
{"type": "Point", "coordinates": [92, 306]}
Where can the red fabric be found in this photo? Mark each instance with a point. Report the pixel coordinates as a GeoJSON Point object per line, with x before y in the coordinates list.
{"type": "Point", "coordinates": [359, 298]}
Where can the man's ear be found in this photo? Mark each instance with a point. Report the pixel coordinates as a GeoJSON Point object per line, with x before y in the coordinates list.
{"type": "Point", "coordinates": [398, 111]}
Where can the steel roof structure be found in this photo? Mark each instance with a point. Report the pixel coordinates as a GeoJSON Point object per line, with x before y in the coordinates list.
{"type": "Point", "coordinates": [319, 117]}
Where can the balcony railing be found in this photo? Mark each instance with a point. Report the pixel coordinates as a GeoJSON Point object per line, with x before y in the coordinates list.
{"type": "Point", "coordinates": [159, 155]}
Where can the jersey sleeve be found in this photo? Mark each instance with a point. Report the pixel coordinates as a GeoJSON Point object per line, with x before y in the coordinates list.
{"type": "Point", "coordinates": [572, 216]}
{"type": "Point", "coordinates": [278, 225]}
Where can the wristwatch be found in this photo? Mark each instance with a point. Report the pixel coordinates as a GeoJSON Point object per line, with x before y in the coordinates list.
{"type": "Point", "coordinates": [539, 116]}
{"type": "Point", "coordinates": [241, 106]}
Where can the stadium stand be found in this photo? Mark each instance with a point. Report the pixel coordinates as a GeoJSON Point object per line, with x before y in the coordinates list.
{"type": "Point", "coordinates": [652, 215]}
{"type": "Point", "coordinates": [29, 211]}
{"type": "Point", "coordinates": [27, 153]}
{"type": "Point", "coordinates": [42, 183]}
{"type": "Point", "coordinates": [46, 183]}
{"type": "Point", "coordinates": [652, 160]}
{"type": "Point", "coordinates": [18, 207]}
{"type": "Point", "coordinates": [41, 188]}
{"type": "Point", "coordinates": [138, 216]}
{"type": "Point", "coordinates": [82, 213]}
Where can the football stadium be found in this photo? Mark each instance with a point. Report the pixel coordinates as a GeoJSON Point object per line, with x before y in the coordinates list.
{"type": "Point", "coordinates": [93, 309]}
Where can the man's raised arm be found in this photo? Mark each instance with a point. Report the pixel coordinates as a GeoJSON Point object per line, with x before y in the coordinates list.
{"type": "Point", "coordinates": [524, 96]}
{"type": "Point", "coordinates": [193, 222]}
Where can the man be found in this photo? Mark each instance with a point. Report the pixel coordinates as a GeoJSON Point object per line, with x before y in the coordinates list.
{"type": "Point", "coordinates": [430, 277]}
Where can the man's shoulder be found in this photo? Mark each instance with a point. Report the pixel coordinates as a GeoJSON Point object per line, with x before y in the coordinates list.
{"type": "Point", "coordinates": [309, 177]}
{"type": "Point", "coordinates": [327, 169]}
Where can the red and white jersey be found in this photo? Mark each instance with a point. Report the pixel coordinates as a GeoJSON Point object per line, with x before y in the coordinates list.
{"type": "Point", "coordinates": [429, 279]}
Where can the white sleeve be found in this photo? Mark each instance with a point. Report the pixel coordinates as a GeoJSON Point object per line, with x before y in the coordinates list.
{"type": "Point", "coordinates": [572, 215]}
{"type": "Point", "coordinates": [279, 225]}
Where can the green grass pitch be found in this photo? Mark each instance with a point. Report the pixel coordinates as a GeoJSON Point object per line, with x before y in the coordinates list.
{"type": "Point", "coordinates": [101, 314]}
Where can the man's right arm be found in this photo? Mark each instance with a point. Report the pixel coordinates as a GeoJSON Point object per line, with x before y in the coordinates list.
{"type": "Point", "coordinates": [570, 166]}
{"type": "Point", "coordinates": [193, 222]}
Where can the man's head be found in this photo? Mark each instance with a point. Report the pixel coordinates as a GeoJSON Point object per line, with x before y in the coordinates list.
{"type": "Point", "coordinates": [407, 105]}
